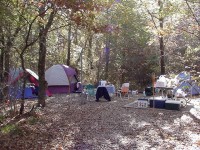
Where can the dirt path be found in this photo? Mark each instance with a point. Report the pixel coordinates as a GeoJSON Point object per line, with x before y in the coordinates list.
{"type": "Point", "coordinates": [66, 123]}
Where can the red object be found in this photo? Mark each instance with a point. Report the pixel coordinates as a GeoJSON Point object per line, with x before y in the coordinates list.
{"type": "Point", "coordinates": [33, 80]}
{"type": "Point", "coordinates": [48, 93]}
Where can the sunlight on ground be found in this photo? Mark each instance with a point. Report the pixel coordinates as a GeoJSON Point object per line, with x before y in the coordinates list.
{"type": "Point", "coordinates": [123, 140]}
{"type": "Point", "coordinates": [143, 124]}
{"type": "Point", "coordinates": [133, 122]}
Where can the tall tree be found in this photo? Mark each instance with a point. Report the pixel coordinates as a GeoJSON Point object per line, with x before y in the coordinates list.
{"type": "Point", "coordinates": [44, 8]}
{"type": "Point", "coordinates": [161, 38]}
{"type": "Point", "coordinates": [10, 27]}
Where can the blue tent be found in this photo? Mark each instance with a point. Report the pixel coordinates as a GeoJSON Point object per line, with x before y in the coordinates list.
{"type": "Point", "coordinates": [183, 76]}
{"type": "Point", "coordinates": [188, 87]}
{"type": "Point", "coordinates": [16, 80]}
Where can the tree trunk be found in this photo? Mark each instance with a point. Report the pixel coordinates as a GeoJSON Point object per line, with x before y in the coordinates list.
{"type": "Point", "coordinates": [41, 67]}
{"type": "Point", "coordinates": [107, 56]}
{"type": "Point", "coordinates": [1, 64]}
{"type": "Point", "coordinates": [2, 56]}
{"type": "Point", "coordinates": [42, 56]}
{"type": "Point", "coordinates": [162, 57]}
{"type": "Point", "coordinates": [7, 66]}
{"type": "Point", "coordinates": [161, 39]}
{"type": "Point", "coordinates": [69, 45]}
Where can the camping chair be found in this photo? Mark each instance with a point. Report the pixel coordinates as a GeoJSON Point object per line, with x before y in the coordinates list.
{"type": "Point", "coordinates": [124, 91]}
{"type": "Point", "coordinates": [89, 90]}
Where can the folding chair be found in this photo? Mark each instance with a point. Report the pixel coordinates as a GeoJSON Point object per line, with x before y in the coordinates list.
{"type": "Point", "coordinates": [124, 91]}
{"type": "Point", "coordinates": [89, 90]}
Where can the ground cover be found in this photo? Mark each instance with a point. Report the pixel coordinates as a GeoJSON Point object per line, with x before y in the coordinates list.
{"type": "Point", "coordinates": [72, 123]}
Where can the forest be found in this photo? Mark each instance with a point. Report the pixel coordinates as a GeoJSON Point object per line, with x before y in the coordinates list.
{"type": "Point", "coordinates": [115, 40]}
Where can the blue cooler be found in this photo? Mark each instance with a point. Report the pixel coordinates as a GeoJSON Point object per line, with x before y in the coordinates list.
{"type": "Point", "coordinates": [157, 102]}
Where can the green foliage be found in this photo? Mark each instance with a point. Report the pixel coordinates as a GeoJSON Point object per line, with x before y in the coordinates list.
{"type": "Point", "coordinates": [2, 118]}
{"type": "Point", "coordinates": [132, 36]}
{"type": "Point", "coordinates": [11, 129]}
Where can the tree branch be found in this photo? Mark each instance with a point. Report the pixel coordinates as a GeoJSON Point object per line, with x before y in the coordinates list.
{"type": "Point", "coordinates": [192, 12]}
{"type": "Point", "coordinates": [152, 16]}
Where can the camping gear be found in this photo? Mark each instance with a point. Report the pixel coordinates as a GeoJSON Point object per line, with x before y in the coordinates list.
{"type": "Point", "coordinates": [90, 90]}
{"type": "Point", "coordinates": [157, 102]}
{"type": "Point", "coordinates": [186, 88]}
{"type": "Point", "coordinates": [161, 82]}
{"type": "Point", "coordinates": [149, 91]}
{"type": "Point", "coordinates": [142, 102]}
{"type": "Point", "coordinates": [102, 83]}
{"type": "Point", "coordinates": [183, 76]}
{"type": "Point", "coordinates": [16, 83]}
{"type": "Point", "coordinates": [172, 105]}
{"type": "Point", "coordinates": [61, 79]}
{"type": "Point", "coordinates": [102, 92]}
{"type": "Point", "coordinates": [123, 91]}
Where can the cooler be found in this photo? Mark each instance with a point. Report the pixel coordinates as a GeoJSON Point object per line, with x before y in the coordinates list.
{"type": "Point", "coordinates": [157, 102]}
{"type": "Point", "coordinates": [172, 105]}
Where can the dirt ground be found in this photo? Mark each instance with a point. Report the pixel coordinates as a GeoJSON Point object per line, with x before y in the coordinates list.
{"type": "Point", "coordinates": [74, 123]}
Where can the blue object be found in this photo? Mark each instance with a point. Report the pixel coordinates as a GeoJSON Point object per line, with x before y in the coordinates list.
{"type": "Point", "coordinates": [157, 103]}
{"type": "Point", "coordinates": [110, 89]}
{"type": "Point", "coordinates": [28, 93]}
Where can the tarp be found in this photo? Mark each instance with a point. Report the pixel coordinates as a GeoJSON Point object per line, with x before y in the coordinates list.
{"type": "Point", "coordinates": [61, 78]}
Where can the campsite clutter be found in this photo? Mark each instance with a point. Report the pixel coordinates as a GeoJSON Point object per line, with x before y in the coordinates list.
{"type": "Point", "coordinates": [63, 79]}
{"type": "Point", "coordinates": [175, 92]}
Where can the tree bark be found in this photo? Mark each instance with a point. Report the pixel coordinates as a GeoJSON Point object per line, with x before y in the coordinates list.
{"type": "Point", "coordinates": [2, 39]}
{"type": "Point", "coordinates": [41, 67]}
{"type": "Point", "coordinates": [1, 64]}
{"type": "Point", "coordinates": [161, 39]}
{"type": "Point", "coordinates": [69, 44]}
{"type": "Point", "coordinates": [107, 55]}
{"type": "Point", "coordinates": [7, 66]}
{"type": "Point", "coordinates": [42, 55]}
{"type": "Point", "coordinates": [162, 57]}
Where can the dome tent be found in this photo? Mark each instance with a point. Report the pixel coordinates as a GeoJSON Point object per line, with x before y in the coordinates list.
{"type": "Point", "coordinates": [61, 79]}
{"type": "Point", "coordinates": [16, 80]}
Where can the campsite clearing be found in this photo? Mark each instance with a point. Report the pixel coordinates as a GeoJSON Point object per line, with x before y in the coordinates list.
{"type": "Point", "coordinates": [67, 123]}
